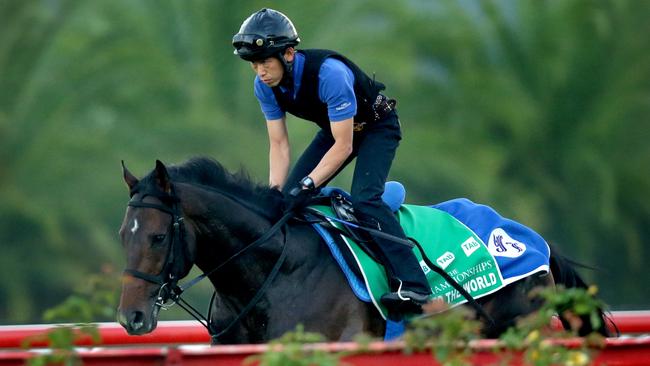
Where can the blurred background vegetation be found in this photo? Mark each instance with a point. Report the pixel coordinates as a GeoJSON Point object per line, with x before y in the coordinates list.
{"type": "Point", "coordinates": [539, 109]}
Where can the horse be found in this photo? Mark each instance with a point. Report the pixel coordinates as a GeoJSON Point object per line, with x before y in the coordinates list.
{"type": "Point", "coordinates": [269, 272]}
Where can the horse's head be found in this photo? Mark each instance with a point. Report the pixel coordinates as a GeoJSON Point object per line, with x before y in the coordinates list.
{"type": "Point", "coordinates": [160, 249]}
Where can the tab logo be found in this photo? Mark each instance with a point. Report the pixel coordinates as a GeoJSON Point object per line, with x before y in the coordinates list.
{"type": "Point", "coordinates": [445, 260]}
{"type": "Point", "coordinates": [470, 245]}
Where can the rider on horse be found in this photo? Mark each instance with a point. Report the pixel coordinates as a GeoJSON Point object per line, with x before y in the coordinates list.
{"type": "Point", "coordinates": [355, 120]}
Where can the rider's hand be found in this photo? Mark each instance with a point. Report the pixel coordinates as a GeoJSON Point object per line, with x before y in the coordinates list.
{"type": "Point", "coordinates": [299, 198]}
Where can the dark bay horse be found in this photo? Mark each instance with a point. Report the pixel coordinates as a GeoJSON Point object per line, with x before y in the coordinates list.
{"type": "Point", "coordinates": [268, 276]}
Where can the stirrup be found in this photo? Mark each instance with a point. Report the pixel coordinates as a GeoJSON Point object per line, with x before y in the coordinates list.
{"type": "Point", "coordinates": [404, 301]}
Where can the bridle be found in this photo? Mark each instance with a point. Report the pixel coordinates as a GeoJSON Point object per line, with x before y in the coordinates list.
{"type": "Point", "coordinates": [172, 268]}
{"type": "Point", "coordinates": [170, 292]}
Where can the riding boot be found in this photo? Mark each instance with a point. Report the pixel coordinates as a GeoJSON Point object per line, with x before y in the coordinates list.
{"type": "Point", "coordinates": [409, 287]}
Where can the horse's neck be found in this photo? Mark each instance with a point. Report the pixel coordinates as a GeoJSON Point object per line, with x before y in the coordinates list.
{"type": "Point", "coordinates": [223, 227]}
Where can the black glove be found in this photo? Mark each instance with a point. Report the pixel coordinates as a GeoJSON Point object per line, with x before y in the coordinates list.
{"type": "Point", "coordinates": [298, 199]}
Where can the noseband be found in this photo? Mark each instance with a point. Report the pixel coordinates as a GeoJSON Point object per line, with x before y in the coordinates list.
{"type": "Point", "coordinates": [171, 271]}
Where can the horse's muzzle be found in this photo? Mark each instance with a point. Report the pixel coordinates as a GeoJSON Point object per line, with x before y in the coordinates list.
{"type": "Point", "coordinates": [137, 322]}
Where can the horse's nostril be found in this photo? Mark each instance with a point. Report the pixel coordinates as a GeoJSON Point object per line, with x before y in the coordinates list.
{"type": "Point", "coordinates": [135, 321]}
{"type": "Point", "coordinates": [138, 320]}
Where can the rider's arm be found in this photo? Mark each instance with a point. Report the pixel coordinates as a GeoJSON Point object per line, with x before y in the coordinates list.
{"type": "Point", "coordinates": [337, 154]}
{"type": "Point", "coordinates": [279, 158]}
{"type": "Point", "coordinates": [279, 152]}
{"type": "Point", "coordinates": [336, 89]}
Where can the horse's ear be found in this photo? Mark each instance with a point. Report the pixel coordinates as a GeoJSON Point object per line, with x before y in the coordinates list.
{"type": "Point", "coordinates": [162, 177]}
{"type": "Point", "coordinates": [129, 178]}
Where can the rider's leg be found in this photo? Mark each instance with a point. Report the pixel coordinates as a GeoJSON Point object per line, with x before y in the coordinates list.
{"type": "Point", "coordinates": [375, 154]}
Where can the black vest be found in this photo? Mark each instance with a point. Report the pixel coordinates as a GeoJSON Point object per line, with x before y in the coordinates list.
{"type": "Point", "coordinates": [308, 105]}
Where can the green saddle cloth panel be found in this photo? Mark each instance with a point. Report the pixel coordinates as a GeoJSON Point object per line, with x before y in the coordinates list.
{"type": "Point", "coordinates": [448, 243]}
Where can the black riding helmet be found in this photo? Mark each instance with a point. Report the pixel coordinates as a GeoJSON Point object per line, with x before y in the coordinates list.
{"type": "Point", "coordinates": [264, 34]}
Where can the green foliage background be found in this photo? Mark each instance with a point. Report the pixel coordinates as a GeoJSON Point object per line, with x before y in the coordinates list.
{"type": "Point", "coordinates": [539, 109]}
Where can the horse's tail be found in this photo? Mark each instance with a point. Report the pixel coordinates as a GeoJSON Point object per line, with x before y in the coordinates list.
{"type": "Point", "coordinates": [564, 273]}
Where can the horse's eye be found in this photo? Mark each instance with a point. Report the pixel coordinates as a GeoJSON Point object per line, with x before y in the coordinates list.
{"type": "Point", "coordinates": [158, 239]}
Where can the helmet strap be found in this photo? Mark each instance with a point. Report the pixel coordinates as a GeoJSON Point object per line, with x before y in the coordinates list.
{"type": "Point", "coordinates": [287, 77]}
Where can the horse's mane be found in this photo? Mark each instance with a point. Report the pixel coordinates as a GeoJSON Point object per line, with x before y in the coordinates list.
{"type": "Point", "coordinates": [210, 174]}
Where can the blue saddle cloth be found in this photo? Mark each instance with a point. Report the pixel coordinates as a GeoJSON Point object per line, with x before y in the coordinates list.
{"type": "Point", "coordinates": [518, 249]}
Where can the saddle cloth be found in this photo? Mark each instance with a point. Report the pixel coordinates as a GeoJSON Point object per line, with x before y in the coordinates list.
{"type": "Point", "coordinates": [480, 249]}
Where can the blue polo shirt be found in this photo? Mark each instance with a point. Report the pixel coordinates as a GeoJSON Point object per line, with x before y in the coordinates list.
{"type": "Point", "coordinates": [335, 88]}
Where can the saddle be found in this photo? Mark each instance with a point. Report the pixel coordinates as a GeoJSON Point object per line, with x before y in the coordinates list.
{"type": "Point", "coordinates": [340, 201]}
{"type": "Point", "coordinates": [393, 197]}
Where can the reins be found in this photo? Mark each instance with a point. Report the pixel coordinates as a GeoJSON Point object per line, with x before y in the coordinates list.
{"type": "Point", "coordinates": [207, 321]}
{"type": "Point", "coordinates": [283, 220]}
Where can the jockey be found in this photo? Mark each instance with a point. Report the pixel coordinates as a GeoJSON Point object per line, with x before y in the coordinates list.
{"type": "Point", "coordinates": [355, 120]}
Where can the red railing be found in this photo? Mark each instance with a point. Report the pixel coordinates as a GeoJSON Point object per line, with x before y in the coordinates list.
{"type": "Point", "coordinates": [617, 352]}
{"type": "Point", "coordinates": [186, 343]}
{"type": "Point", "coordinates": [191, 332]}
